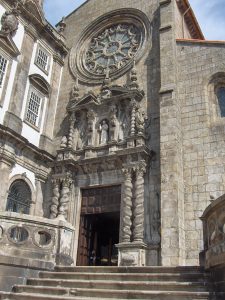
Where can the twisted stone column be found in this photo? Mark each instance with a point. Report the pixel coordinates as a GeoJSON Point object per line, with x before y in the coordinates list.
{"type": "Point", "coordinates": [71, 131]}
{"type": "Point", "coordinates": [133, 117]}
{"type": "Point", "coordinates": [127, 206]}
{"type": "Point", "coordinates": [138, 223]}
{"type": "Point", "coordinates": [55, 199]}
{"type": "Point", "coordinates": [64, 198]}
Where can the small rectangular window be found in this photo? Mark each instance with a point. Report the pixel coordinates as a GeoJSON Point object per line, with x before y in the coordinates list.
{"type": "Point", "coordinates": [33, 108]}
{"type": "Point", "coordinates": [3, 65]}
{"type": "Point", "coordinates": [42, 59]}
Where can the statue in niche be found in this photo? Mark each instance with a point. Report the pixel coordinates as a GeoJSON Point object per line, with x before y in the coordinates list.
{"type": "Point", "coordinates": [90, 120]}
{"type": "Point", "coordinates": [80, 133]}
{"type": "Point", "coordinates": [123, 125]}
{"type": "Point", "coordinates": [113, 122]}
{"type": "Point", "coordinates": [104, 132]}
{"type": "Point", "coordinates": [140, 120]}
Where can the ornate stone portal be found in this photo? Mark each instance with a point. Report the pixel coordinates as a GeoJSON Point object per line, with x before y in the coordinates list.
{"type": "Point", "coordinates": [107, 134]}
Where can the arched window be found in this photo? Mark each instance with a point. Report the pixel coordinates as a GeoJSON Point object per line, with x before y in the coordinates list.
{"type": "Point", "coordinates": [221, 100]}
{"type": "Point", "coordinates": [19, 197]}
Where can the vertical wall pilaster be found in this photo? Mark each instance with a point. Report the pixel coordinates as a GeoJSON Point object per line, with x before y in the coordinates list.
{"type": "Point", "coordinates": [5, 170]}
{"type": "Point", "coordinates": [172, 193]}
{"type": "Point", "coordinates": [12, 117]}
{"type": "Point", "coordinates": [47, 135]}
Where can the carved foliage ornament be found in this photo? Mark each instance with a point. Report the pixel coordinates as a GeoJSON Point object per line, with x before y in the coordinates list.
{"type": "Point", "coordinates": [112, 49]}
{"type": "Point", "coordinates": [109, 45]}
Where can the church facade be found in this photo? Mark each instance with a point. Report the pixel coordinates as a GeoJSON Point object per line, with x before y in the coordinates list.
{"type": "Point", "coordinates": [112, 135]}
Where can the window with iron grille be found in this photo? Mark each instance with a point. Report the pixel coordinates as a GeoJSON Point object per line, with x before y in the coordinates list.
{"type": "Point", "coordinates": [33, 107]}
{"type": "Point", "coordinates": [3, 65]}
{"type": "Point", "coordinates": [19, 197]}
{"type": "Point", "coordinates": [42, 59]}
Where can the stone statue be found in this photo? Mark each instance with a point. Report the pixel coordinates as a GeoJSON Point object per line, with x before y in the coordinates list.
{"type": "Point", "coordinates": [80, 134]}
{"type": "Point", "coordinates": [104, 132]}
{"type": "Point", "coordinates": [10, 22]}
{"type": "Point", "coordinates": [90, 121]}
{"type": "Point", "coordinates": [113, 122]}
{"type": "Point", "coordinates": [140, 120]}
{"type": "Point", "coordinates": [123, 125]}
{"type": "Point", "coordinates": [63, 142]}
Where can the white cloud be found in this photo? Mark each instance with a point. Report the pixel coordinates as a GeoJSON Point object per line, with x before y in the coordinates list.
{"type": "Point", "coordinates": [209, 13]}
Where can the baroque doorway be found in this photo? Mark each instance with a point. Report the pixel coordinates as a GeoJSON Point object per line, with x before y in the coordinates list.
{"type": "Point", "coordinates": [99, 226]}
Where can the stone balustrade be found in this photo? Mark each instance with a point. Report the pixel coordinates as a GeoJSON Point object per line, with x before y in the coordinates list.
{"type": "Point", "coordinates": [42, 243]}
{"type": "Point", "coordinates": [214, 241]}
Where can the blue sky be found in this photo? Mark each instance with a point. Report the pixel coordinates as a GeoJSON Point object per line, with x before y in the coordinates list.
{"type": "Point", "coordinates": [210, 14]}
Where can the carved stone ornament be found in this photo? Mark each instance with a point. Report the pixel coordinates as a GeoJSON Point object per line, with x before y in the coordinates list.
{"type": "Point", "coordinates": [10, 22]}
{"type": "Point", "coordinates": [112, 48]}
{"type": "Point", "coordinates": [110, 44]}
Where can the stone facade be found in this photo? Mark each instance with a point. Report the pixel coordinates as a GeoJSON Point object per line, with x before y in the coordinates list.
{"type": "Point", "coordinates": [132, 104]}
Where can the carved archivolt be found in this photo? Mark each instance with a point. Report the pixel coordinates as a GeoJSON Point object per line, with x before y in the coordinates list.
{"type": "Point", "coordinates": [110, 44]}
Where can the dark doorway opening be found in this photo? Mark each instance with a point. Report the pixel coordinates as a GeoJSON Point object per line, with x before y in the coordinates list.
{"type": "Point", "coordinates": [99, 227]}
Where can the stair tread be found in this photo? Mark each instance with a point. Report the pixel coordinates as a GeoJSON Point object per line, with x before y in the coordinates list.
{"type": "Point", "coordinates": [186, 283]}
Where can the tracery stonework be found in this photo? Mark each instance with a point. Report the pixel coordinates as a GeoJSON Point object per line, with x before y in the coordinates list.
{"type": "Point", "coordinates": [112, 48]}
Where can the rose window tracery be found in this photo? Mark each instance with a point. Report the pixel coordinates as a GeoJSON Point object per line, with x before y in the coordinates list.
{"type": "Point", "coordinates": [112, 49]}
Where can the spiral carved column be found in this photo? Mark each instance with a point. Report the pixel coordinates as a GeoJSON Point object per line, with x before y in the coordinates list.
{"type": "Point", "coordinates": [71, 131]}
{"type": "Point", "coordinates": [138, 223]}
{"type": "Point", "coordinates": [127, 206]}
{"type": "Point", "coordinates": [64, 198]}
{"type": "Point", "coordinates": [133, 117]}
{"type": "Point", "coordinates": [55, 199]}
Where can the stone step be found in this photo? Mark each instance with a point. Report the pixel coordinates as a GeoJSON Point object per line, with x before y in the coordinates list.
{"type": "Point", "coordinates": [114, 285]}
{"type": "Point", "coordinates": [85, 294]}
{"type": "Point", "coordinates": [145, 270]}
{"type": "Point", "coordinates": [193, 277]}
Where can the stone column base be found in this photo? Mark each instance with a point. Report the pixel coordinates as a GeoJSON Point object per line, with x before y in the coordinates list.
{"type": "Point", "coordinates": [132, 254]}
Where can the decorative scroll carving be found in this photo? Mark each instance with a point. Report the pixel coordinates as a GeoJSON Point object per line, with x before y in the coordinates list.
{"type": "Point", "coordinates": [113, 48]}
{"type": "Point", "coordinates": [138, 223]}
{"type": "Point", "coordinates": [55, 199]}
{"type": "Point", "coordinates": [64, 197]}
{"type": "Point", "coordinates": [127, 205]}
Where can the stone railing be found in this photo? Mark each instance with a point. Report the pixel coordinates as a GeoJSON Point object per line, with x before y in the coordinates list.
{"type": "Point", "coordinates": [34, 242]}
{"type": "Point", "coordinates": [214, 241]}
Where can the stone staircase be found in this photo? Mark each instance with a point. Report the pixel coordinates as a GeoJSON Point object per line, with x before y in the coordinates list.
{"type": "Point", "coordinates": [83, 283]}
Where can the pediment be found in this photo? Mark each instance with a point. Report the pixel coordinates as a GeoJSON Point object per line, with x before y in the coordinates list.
{"type": "Point", "coordinates": [90, 98]}
{"type": "Point", "coordinates": [8, 45]}
{"type": "Point", "coordinates": [40, 83]}
{"type": "Point", "coordinates": [35, 9]}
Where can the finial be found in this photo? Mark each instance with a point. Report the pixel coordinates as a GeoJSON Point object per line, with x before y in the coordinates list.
{"type": "Point", "coordinates": [133, 77]}
{"type": "Point", "coordinates": [62, 26]}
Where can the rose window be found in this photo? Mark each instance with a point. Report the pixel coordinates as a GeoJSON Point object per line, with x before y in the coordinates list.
{"type": "Point", "coordinates": [112, 49]}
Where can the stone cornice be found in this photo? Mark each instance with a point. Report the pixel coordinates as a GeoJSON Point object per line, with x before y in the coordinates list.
{"type": "Point", "coordinates": [21, 145]}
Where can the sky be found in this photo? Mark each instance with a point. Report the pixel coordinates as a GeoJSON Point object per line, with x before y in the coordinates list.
{"type": "Point", "coordinates": [210, 14]}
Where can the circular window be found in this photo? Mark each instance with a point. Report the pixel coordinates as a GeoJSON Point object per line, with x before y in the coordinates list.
{"type": "Point", "coordinates": [43, 238]}
{"type": "Point", "coordinates": [112, 49]}
{"type": "Point", "coordinates": [18, 234]}
{"type": "Point", "coordinates": [109, 46]}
